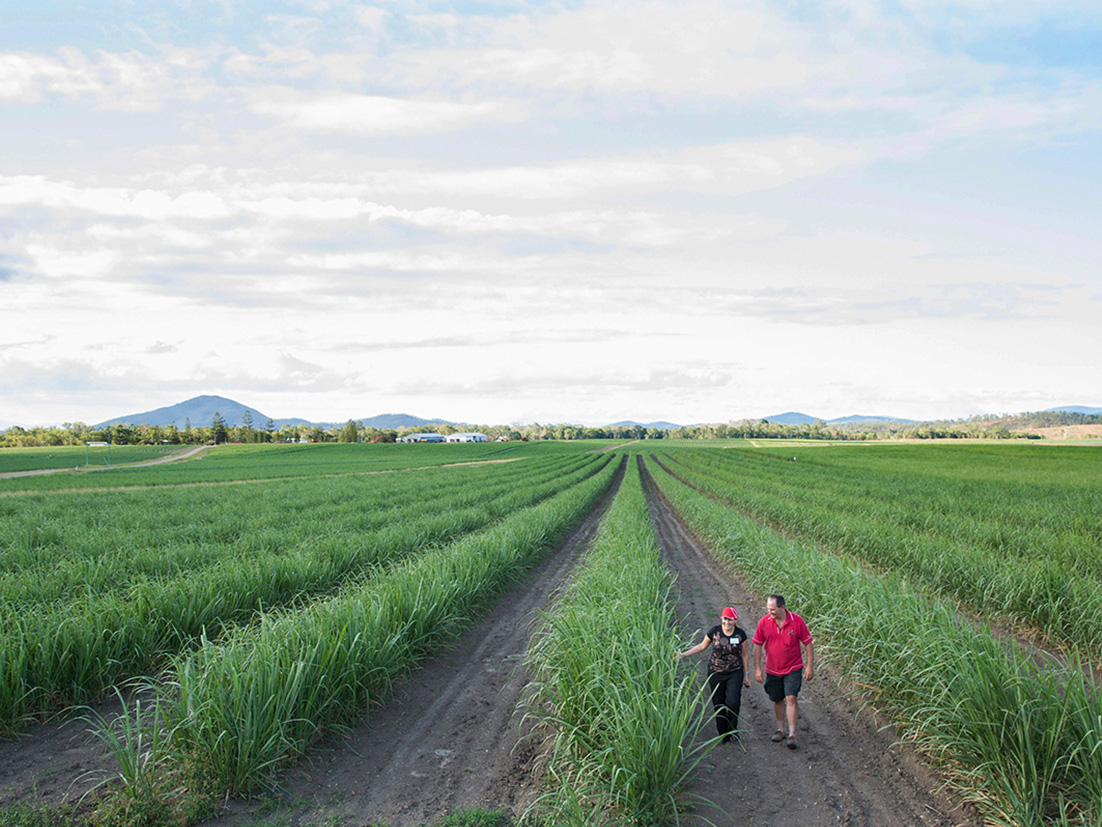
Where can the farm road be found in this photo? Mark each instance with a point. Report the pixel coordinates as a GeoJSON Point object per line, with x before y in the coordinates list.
{"type": "Point", "coordinates": [846, 770]}
{"type": "Point", "coordinates": [175, 457]}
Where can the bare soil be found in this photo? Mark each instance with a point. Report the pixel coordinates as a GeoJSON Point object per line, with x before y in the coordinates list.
{"type": "Point", "coordinates": [454, 733]}
{"type": "Point", "coordinates": [55, 763]}
{"type": "Point", "coordinates": [1070, 432]}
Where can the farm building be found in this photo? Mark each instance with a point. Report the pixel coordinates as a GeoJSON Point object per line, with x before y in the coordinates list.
{"type": "Point", "coordinates": [421, 438]}
{"type": "Point", "coordinates": [467, 438]}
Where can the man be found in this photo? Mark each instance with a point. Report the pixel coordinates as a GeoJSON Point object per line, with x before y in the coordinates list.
{"type": "Point", "coordinates": [785, 638]}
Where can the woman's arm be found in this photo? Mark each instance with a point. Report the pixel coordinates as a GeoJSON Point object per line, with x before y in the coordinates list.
{"type": "Point", "coordinates": [700, 647]}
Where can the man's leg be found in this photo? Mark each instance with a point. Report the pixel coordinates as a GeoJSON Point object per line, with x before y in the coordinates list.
{"type": "Point", "coordinates": [792, 683]}
{"type": "Point", "coordinates": [792, 710]}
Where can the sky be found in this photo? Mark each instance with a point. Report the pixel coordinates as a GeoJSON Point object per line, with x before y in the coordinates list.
{"type": "Point", "coordinates": [584, 212]}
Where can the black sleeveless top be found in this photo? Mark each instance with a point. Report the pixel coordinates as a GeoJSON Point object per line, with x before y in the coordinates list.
{"type": "Point", "coordinates": [726, 650]}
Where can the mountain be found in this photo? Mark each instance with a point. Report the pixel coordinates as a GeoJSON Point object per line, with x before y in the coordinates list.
{"type": "Point", "coordinates": [791, 418]}
{"type": "Point", "coordinates": [629, 423]}
{"type": "Point", "coordinates": [199, 411]}
{"type": "Point", "coordinates": [797, 418]}
{"type": "Point", "coordinates": [395, 421]}
{"type": "Point", "coordinates": [1079, 409]}
{"type": "Point", "coordinates": [858, 419]}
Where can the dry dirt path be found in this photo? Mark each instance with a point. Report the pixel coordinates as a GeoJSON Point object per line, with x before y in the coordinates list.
{"type": "Point", "coordinates": [846, 770]}
{"type": "Point", "coordinates": [55, 763]}
{"type": "Point", "coordinates": [176, 457]}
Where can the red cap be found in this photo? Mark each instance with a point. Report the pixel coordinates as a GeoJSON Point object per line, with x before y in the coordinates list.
{"type": "Point", "coordinates": [731, 613]}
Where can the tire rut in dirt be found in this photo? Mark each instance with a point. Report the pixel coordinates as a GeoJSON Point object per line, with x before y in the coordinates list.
{"type": "Point", "coordinates": [846, 770]}
{"type": "Point", "coordinates": [452, 734]}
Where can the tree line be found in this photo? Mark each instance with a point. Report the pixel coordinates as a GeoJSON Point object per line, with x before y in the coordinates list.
{"type": "Point", "coordinates": [248, 432]}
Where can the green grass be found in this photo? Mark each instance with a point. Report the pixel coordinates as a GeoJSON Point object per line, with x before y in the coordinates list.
{"type": "Point", "coordinates": [68, 457]}
{"type": "Point", "coordinates": [25, 815]}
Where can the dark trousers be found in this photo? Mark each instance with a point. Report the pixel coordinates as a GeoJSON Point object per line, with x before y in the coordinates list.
{"type": "Point", "coordinates": [727, 699]}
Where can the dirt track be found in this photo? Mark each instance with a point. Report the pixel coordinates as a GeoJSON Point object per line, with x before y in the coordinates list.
{"type": "Point", "coordinates": [846, 770]}
{"type": "Point", "coordinates": [451, 736]}
{"type": "Point", "coordinates": [175, 457]}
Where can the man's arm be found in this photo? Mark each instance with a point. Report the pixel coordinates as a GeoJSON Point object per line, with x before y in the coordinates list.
{"type": "Point", "coordinates": [809, 657]}
{"type": "Point", "coordinates": [757, 663]}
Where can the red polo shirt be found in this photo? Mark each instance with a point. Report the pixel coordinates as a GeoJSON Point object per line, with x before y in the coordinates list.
{"type": "Point", "coordinates": [782, 646]}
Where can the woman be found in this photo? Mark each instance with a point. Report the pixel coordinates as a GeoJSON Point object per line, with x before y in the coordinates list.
{"type": "Point", "coordinates": [726, 670]}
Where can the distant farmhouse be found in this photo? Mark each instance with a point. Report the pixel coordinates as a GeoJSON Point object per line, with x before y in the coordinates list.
{"type": "Point", "coordinates": [441, 438]}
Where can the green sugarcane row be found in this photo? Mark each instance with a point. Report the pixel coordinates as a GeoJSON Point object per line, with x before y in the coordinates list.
{"type": "Point", "coordinates": [51, 659]}
{"type": "Point", "coordinates": [1022, 739]}
{"type": "Point", "coordinates": [243, 708]}
{"type": "Point", "coordinates": [624, 716]}
{"type": "Point", "coordinates": [1043, 590]}
{"type": "Point", "coordinates": [1032, 501]}
{"type": "Point", "coordinates": [74, 547]}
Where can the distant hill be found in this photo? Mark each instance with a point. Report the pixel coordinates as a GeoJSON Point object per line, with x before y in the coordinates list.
{"type": "Point", "coordinates": [396, 421]}
{"type": "Point", "coordinates": [791, 418]}
{"type": "Point", "coordinates": [630, 423]}
{"type": "Point", "coordinates": [199, 411]}
{"type": "Point", "coordinates": [1079, 409]}
{"type": "Point", "coordinates": [797, 418]}
{"type": "Point", "coordinates": [857, 419]}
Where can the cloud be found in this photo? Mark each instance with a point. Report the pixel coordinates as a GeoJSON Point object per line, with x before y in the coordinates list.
{"type": "Point", "coordinates": [728, 168]}
{"type": "Point", "coordinates": [658, 48]}
{"type": "Point", "coordinates": [163, 347]}
{"type": "Point", "coordinates": [577, 383]}
{"type": "Point", "coordinates": [564, 204]}
{"type": "Point", "coordinates": [153, 205]}
{"type": "Point", "coordinates": [118, 81]}
{"type": "Point", "coordinates": [887, 305]}
{"type": "Point", "coordinates": [378, 115]}
{"type": "Point", "coordinates": [17, 345]}
{"type": "Point", "coordinates": [491, 340]}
